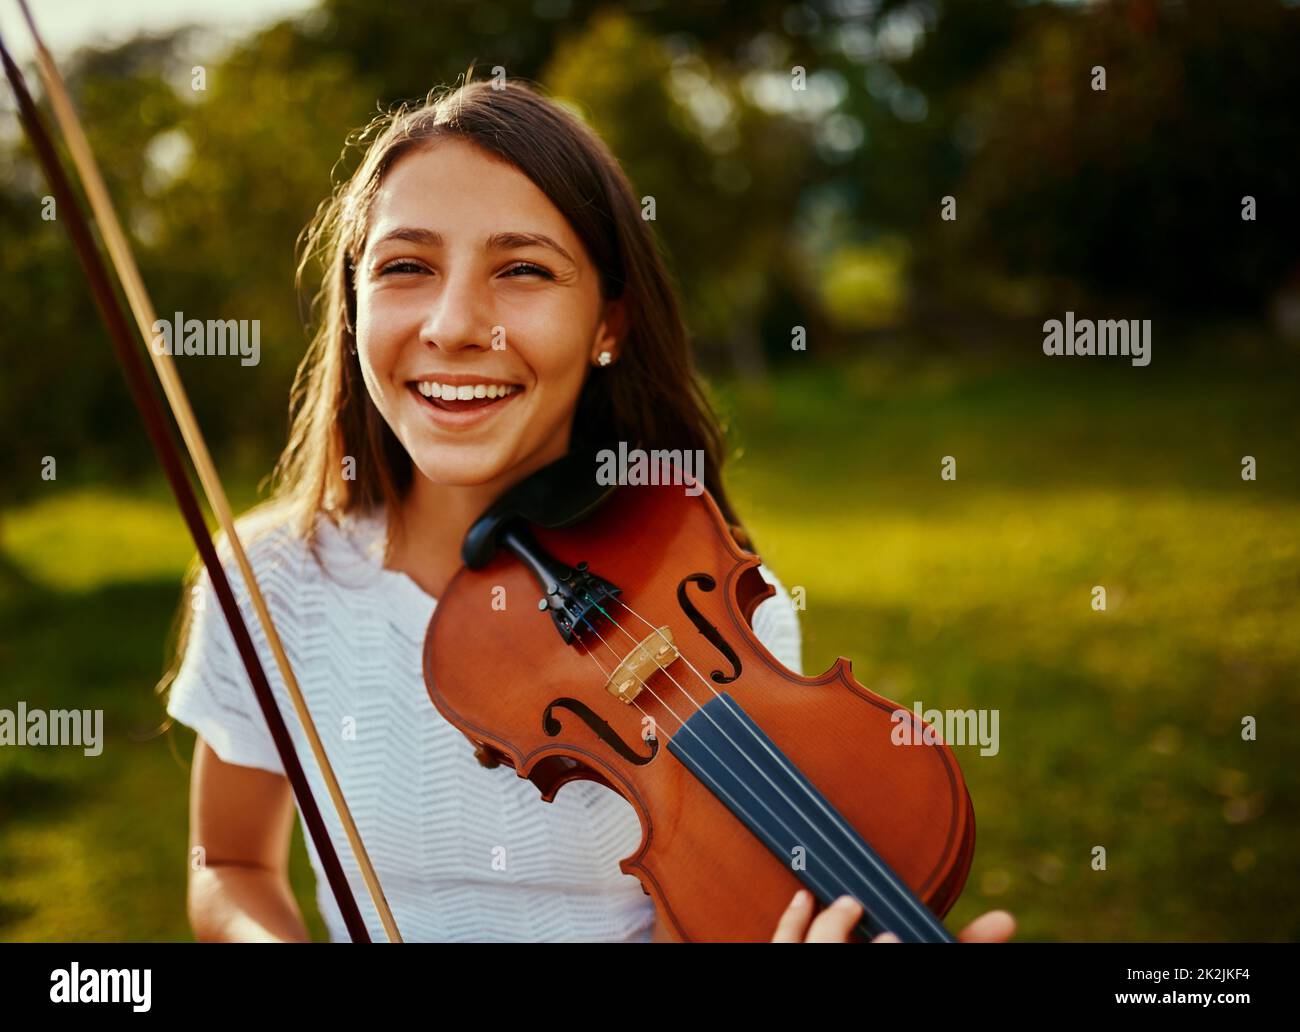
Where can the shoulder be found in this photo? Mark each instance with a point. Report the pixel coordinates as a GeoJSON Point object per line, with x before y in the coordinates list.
{"type": "Point", "coordinates": [305, 580]}
{"type": "Point", "coordinates": [776, 624]}
{"type": "Point", "coordinates": [283, 554]}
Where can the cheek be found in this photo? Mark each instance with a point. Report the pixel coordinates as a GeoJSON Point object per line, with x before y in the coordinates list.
{"type": "Point", "coordinates": [382, 327]}
{"type": "Point", "coordinates": [559, 370]}
{"type": "Point", "coordinates": [556, 344]}
{"type": "Point", "coordinates": [378, 334]}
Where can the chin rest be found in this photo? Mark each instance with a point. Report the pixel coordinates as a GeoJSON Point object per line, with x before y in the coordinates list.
{"type": "Point", "coordinates": [558, 495]}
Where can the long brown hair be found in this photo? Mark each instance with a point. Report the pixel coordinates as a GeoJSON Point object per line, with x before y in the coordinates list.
{"type": "Point", "coordinates": [651, 397]}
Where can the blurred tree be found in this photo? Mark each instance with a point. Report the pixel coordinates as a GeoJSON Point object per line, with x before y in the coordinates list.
{"type": "Point", "coordinates": [1136, 192]}
{"type": "Point", "coordinates": [789, 148]}
{"type": "Point", "coordinates": [724, 177]}
{"type": "Point", "coordinates": [61, 393]}
{"type": "Point", "coordinates": [257, 158]}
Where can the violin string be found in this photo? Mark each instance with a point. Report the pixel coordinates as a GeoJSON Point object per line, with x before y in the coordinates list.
{"type": "Point", "coordinates": [681, 723]}
{"type": "Point", "coordinates": [883, 892]}
{"type": "Point", "coordinates": [876, 863]}
{"type": "Point", "coordinates": [884, 888]}
{"type": "Point", "coordinates": [608, 676]}
{"type": "Point", "coordinates": [780, 760]}
{"type": "Point", "coordinates": [703, 680]}
{"type": "Point", "coordinates": [634, 641]}
{"type": "Point", "coordinates": [818, 884]}
{"type": "Point", "coordinates": [654, 723]}
{"type": "Point", "coordinates": [889, 882]}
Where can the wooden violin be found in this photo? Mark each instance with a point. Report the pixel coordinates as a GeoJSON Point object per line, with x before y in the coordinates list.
{"type": "Point", "coordinates": [634, 664]}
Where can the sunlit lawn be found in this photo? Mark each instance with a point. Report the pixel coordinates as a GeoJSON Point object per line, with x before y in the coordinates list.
{"type": "Point", "coordinates": [1118, 729]}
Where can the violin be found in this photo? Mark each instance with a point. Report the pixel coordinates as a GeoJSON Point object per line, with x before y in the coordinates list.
{"type": "Point", "coordinates": [634, 664]}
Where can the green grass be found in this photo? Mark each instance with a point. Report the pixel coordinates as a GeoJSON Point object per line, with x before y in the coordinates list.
{"type": "Point", "coordinates": [95, 848]}
{"type": "Point", "coordinates": [1118, 729]}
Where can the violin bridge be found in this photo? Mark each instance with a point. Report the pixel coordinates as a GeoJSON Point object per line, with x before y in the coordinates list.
{"type": "Point", "coordinates": [656, 652]}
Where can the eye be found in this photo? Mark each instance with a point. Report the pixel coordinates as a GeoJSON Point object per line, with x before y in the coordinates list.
{"type": "Point", "coordinates": [528, 268]}
{"type": "Point", "coordinates": [402, 265]}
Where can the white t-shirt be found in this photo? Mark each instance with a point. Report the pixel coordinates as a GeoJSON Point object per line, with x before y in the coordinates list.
{"type": "Point", "coordinates": [463, 853]}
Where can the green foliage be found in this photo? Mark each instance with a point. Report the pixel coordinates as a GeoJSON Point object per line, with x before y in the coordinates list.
{"type": "Point", "coordinates": [1136, 192]}
{"type": "Point", "coordinates": [725, 176]}
{"type": "Point", "coordinates": [766, 197]}
{"type": "Point", "coordinates": [865, 287]}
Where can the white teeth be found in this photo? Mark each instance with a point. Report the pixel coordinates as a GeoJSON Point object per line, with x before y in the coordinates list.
{"type": "Point", "coordinates": [466, 392]}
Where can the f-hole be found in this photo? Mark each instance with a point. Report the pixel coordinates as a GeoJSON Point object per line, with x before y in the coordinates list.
{"type": "Point", "coordinates": [707, 629]}
{"type": "Point", "coordinates": [552, 726]}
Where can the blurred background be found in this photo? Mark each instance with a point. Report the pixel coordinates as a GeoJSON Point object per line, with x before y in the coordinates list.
{"type": "Point", "coordinates": [778, 208]}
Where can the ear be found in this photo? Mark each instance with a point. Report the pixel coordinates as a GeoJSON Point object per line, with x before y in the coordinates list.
{"type": "Point", "coordinates": [613, 327]}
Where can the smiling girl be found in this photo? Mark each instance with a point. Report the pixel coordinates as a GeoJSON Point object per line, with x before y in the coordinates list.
{"type": "Point", "coordinates": [490, 294]}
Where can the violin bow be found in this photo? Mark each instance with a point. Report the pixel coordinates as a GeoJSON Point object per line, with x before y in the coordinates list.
{"type": "Point", "coordinates": [169, 457]}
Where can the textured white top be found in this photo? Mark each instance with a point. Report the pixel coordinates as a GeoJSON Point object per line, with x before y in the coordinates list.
{"type": "Point", "coordinates": [464, 853]}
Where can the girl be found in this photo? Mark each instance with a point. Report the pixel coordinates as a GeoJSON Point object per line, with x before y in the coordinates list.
{"type": "Point", "coordinates": [490, 291]}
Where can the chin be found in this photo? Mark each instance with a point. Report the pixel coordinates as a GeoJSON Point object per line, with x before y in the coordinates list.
{"type": "Point", "coordinates": [460, 466]}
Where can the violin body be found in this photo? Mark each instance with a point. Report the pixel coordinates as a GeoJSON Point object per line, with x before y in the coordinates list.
{"type": "Point", "coordinates": [546, 708]}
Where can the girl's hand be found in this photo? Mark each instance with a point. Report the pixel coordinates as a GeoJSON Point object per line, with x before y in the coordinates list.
{"type": "Point", "coordinates": [835, 923]}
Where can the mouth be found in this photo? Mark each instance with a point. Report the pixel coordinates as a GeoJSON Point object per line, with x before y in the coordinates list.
{"type": "Point", "coordinates": [463, 404]}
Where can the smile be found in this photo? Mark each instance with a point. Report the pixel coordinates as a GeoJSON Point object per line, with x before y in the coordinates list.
{"type": "Point", "coordinates": [460, 405]}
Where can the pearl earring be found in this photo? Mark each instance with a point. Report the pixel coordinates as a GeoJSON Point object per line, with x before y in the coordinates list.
{"type": "Point", "coordinates": [605, 358]}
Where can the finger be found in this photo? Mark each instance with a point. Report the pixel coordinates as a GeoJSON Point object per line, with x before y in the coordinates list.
{"type": "Point", "coordinates": [995, 926]}
{"type": "Point", "coordinates": [886, 937]}
{"type": "Point", "coordinates": [835, 922]}
{"type": "Point", "coordinates": [794, 922]}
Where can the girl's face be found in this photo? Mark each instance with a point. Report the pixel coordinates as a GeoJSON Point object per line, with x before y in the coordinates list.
{"type": "Point", "coordinates": [471, 284]}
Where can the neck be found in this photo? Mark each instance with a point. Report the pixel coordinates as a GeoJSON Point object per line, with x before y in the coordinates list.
{"type": "Point", "coordinates": [434, 518]}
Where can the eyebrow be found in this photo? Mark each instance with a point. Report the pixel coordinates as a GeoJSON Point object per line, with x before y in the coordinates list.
{"type": "Point", "coordinates": [495, 242]}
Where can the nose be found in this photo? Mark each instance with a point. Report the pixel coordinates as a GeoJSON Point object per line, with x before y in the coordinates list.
{"type": "Point", "coordinates": [458, 315]}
